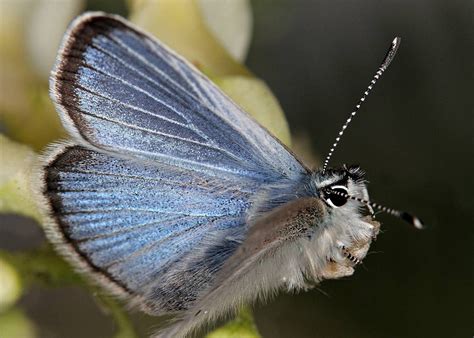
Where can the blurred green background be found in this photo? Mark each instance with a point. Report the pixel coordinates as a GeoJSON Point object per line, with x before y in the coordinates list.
{"type": "Point", "coordinates": [414, 137]}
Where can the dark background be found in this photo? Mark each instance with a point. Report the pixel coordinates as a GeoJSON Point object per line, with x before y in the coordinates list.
{"type": "Point", "coordinates": [413, 137]}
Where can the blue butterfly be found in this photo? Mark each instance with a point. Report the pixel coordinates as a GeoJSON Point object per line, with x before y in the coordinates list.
{"type": "Point", "coordinates": [172, 197]}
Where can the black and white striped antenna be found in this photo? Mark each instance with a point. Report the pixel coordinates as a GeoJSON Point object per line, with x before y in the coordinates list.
{"type": "Point", "coordinates": [386, 62]}
{"type": "Point", "coordinates": [407, 217]}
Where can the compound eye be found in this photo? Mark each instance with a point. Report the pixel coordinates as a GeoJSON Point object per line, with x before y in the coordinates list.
{"type": "Point", "coordinates": [335, 200]}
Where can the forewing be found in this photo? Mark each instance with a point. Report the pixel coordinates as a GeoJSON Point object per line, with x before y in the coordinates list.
{"type": "Point", "coordinates": [120, 90]}
{"type": "Point", "coordinates": [136, 226]}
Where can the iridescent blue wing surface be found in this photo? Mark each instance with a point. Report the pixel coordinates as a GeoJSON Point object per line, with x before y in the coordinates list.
{"type": "Point", "coordinates": [155, 193]}
{"type": "Point", "coordinates": [121, 90]}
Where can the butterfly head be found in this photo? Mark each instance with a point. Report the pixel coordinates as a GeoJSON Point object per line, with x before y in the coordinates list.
{"type": "Point", "coordinates": [344, 234]}
{"type": "Point", "coordinates": [344, 193]}
{"type": "Point", "coordinates": [335, 185]}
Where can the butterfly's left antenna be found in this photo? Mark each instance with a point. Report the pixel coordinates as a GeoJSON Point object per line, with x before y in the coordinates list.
{"type": "Point", "coordinates": [386, 62]}
{"type": "Point", "coordinates": [407, 217]}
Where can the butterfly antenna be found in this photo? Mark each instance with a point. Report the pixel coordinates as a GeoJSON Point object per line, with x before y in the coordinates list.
{"type": "Point", "coordinates": [407, 217]}
{"type": "Point", "coordinates": [386, 62]}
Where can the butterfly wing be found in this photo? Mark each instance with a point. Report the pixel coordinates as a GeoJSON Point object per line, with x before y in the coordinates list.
{"type": "Point", "coordinates": [136, 225]}
{"type": "Point", "coordinates": [155, 199]}
{"type": "Point", "coordinates": [120, 90]}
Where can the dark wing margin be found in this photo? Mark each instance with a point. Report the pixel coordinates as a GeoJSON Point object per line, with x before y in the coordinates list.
{"type": "Point", "coordinates": [53, 227]}
{"type": "Point", "coordinates": [120, 90]}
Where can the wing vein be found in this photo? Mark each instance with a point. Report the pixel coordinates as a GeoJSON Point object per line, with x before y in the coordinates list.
{"type": "Point", "coordinates": [131, 126]}
{"type": "Point", "coordinates": [174, 64]}
{"type": "Point", "coordinates": [128, 105]}
{"type": "Point", "coordinates": [162, 240]}
{"type": "Point", "coordinates": [120, 43]}
{"type": "Point", "coordinates": [151, 65]}
{"type": "Point", "coordinates": [159, 211]}
{"type": "Point", "coordinates": [141, 226]}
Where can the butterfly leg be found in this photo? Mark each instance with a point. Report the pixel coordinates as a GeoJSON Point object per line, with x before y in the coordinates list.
{"type": "Point", "coordinates": [334, 270]}
{"type": "Point", "coordinates": [350, 255]}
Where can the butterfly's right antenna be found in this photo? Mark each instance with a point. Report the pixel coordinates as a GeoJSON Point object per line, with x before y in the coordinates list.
{"type": "Point", "coordinates": [386, 62]}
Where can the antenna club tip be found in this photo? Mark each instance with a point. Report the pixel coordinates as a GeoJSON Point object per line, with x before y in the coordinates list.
{"type": "Point", "coordinates": [415, 221]}
{"type": "Point", "coordinates": [418, 223]}
{"type": "Point", "coordinates": [391, 52]}
{"type": "Point", "coordinates": [396, 43]}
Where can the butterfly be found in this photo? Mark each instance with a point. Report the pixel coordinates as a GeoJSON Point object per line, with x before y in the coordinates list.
{"type": "Point", "coordinates": [172, 197]}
